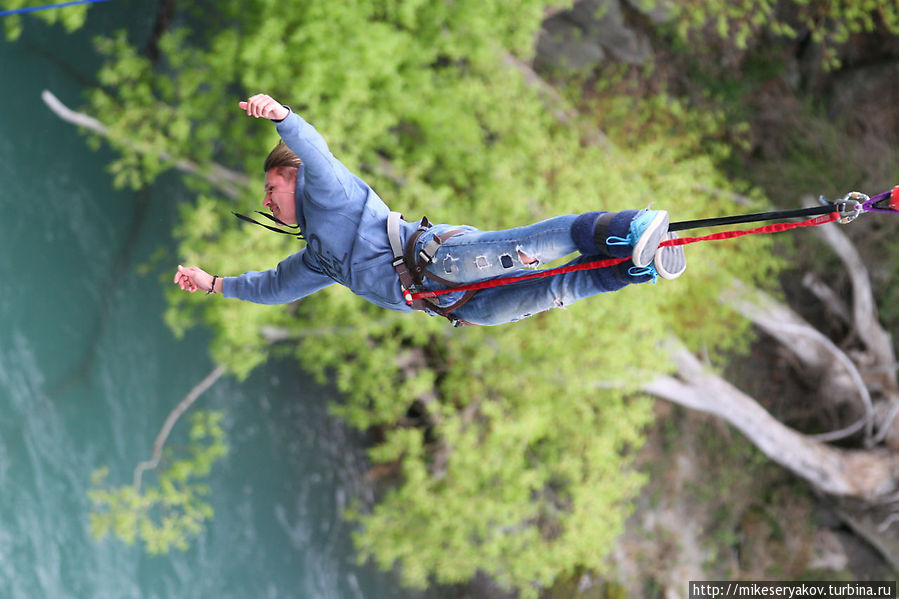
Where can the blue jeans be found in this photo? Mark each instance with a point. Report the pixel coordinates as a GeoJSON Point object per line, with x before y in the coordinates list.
{"type": "Point", "coordinates": [473, 256]}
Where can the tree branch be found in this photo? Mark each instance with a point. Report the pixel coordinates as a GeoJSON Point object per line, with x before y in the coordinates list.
{"type": "Point", "coordinates": [887, 423]}
{"type": "Point", "coordinates": [170, 421]}
{"type": "Point", "coordinates": [791, 330]}
{"type": "Point", "coordinates": [850, 367]}
{"type": "Point", "coordinates": [865, 524]}
{"type": "Point", "coordinates": [864, 308]}
{"type": "Point", "coordinates": [230, 182]}
{"type": "Point", "coordinates": [828, 297]}
{"type": "Point", "coordinates": [894, 517]}
{"type": "Point", "coordinates": [875, 338]}
{"type": "Point", "coordinates": [864, 474]}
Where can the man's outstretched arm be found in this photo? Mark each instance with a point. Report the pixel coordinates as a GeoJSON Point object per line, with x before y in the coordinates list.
{"type": "Point", "coordinates": [327, 181]}
{"type": "Point", "coordinates": [291, 280]}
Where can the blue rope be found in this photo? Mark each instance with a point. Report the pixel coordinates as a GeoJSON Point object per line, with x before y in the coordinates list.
{"type": "Point", "coordinates": [17, 11]}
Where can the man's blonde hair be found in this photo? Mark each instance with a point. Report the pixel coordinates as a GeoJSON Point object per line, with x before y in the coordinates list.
{"type": "Point", "coordinates": [280, 156]}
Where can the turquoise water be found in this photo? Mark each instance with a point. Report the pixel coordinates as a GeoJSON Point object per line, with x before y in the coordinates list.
{"type": "Point", "coordinates": [88, 372]}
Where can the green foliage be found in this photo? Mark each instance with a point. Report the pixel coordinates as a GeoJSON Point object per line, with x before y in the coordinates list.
{"type": "Point", "coordinates": [829, 22]}
{"type": "Point", "coordinates": [536, 482]}
{"type": "Point", "coordinates": [70, 17]}
{"type": "Point", "coordinates": [168, 514]}
{"type": "Point", "coordinates": [513, 443]}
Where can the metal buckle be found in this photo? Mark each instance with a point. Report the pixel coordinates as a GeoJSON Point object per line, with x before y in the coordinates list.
{"type": "Point", "coordinates": [851, 206]}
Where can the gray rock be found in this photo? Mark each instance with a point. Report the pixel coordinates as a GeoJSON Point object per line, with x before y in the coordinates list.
{"type": "Point", "coordinates": [589, 33]}
{"type": "Point", "coordinates": [617, 37]}
{"type": "Point", "coordinates": [658, 11]}
{"type": "Point", "coordinates": [564, 44]}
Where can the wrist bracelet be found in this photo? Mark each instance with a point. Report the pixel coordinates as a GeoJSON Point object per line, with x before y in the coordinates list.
{"type": "Point", "coordinates": [212, 287]}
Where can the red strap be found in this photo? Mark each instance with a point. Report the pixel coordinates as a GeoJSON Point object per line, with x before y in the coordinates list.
{"type": "Point", "coordinates": [549, 272]}
{"type": "Point", "coordinates": [775, 228]}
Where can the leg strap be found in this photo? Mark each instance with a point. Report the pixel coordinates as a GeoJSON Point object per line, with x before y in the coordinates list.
{"type": "Point", "coordinates": [408, 281]}
{"type": "Point", "coordinates": [411, 268]}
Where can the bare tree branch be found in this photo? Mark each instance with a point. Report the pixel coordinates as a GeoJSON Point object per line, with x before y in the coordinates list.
{"type": "Point", "coordinates": [780, 322]}
{"type": "Point", "coordinates": [864, 474]}
{"type": "Point", "coordinates": [170, 421]}
{"type": "Point", "coordinates": [842, 433]}
{"type": "Point", "coordinates": [864, 308]}
{"type": "Point", "coordinates": [867, 525]}
{"type": "Point", "coordinates": [230, 182]}
{"type": "Point", "coordinates": [878, 341]}
{"type": "Point", "coordinates": [849, 365]}
{"type": "Point", "coordinates": [887, 423]}
{"type": "Point", "coordinates": [828, 297]}
{"type": "Point", "coordinates": [894, 517]}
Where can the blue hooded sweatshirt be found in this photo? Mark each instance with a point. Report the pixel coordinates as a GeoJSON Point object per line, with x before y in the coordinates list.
{"type": "Point", "coordinates": [345, 226]}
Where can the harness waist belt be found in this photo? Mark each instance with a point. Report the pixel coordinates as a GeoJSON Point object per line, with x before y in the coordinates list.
{"type": "Point", "coordinates": [410, 268]}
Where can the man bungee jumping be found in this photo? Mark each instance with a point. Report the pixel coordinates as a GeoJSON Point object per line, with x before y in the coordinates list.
{"type": "Point", "coordinates": [352, 238]}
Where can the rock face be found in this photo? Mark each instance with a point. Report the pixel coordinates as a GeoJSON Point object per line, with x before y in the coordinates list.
{"type": "Point", "coordinates": [588, 34]}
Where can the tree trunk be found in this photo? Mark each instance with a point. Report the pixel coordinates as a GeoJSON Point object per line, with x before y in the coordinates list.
{"type": "Point", "coordinates": [866, 474]}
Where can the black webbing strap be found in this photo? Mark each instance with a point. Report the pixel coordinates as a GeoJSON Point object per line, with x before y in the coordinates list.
{"type": "Point", "coordinates": [601, 229]}
{"type": "Point", "coordinates": [750, 218]}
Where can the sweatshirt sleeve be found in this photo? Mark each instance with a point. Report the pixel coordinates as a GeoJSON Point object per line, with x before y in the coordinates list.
{"type": "Point", "coordinates": [291, 280]}
{"type": "Point", "coordinates": [327, 181]}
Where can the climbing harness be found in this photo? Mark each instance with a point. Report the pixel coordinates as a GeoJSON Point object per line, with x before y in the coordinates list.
{"type": "Point", "coordinates": [410, 266]}
{"type": "Point", "coordinates": [845, 211]}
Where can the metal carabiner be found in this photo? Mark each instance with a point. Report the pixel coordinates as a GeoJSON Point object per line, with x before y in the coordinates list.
{"type": "Point", "coordinates": [851, 206]}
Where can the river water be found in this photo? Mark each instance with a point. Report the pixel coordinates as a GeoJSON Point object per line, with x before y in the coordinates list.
{"type": "Point", "coordinates": [89, 371]}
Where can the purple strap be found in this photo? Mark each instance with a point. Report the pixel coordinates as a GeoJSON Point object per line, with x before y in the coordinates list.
{"type": "Point", "coordinates": [868, 206]}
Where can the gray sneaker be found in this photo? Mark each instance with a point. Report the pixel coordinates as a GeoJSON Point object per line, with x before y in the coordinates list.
{"type": "Point", "coordinates": [670, 261]}
{"type": "Point", "coordinates": [646, 232]}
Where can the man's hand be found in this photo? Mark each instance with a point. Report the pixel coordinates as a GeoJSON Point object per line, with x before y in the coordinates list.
{"type": "Point", "coordinates": [193, 278]}
{"type": "Point", "coordinates": [264, 106]}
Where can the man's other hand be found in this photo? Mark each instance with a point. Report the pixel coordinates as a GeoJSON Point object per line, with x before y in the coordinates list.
{"type": "Point", "coordinates": [192, 278]}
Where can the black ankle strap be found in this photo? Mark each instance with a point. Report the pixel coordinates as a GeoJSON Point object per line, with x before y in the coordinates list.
{"type": "Point", "coordinates": [602, 231]}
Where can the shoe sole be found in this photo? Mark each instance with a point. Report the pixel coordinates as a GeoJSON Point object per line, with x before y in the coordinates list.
{"type": "Point", "coordinates": [645, 248]}
{"type": "Point", "coordinates": [670, 261]}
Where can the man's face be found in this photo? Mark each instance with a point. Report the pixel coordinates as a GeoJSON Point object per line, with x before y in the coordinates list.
{"type": "Point", "coordinates": [280, 194]}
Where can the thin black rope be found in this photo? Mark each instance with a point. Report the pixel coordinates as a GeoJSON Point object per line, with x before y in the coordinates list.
{"type": "Point", "coordinates": [751, 218]}
{"type": "Point", "coordinates": [297, 233]}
